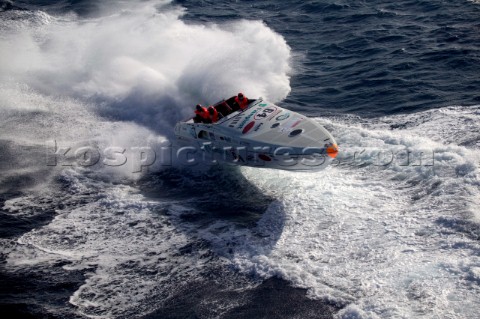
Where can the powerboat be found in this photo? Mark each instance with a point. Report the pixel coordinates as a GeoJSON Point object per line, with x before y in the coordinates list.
{"type": "Point", "coordinates": [261, 135]}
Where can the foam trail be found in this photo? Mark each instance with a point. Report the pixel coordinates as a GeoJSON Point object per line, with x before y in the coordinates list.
{"type": "Point", "coordinates": [122, 79]}
{"type": "Point", "coordinates": [388, 241]}
{"type": "Point", "coordinates": [144, 65]}
{"type": "Point", "coordinates": [120, 277]}
{"type": "Point", "coordinates": [127, 77]}
{"type": "Point", "coordinates": [380, 238]}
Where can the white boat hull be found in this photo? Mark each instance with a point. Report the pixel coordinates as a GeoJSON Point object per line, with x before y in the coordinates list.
{"type": "Point", "coordinates": [263, 135]}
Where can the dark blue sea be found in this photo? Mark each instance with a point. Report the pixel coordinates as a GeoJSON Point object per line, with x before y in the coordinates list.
{"type": "Point", "coordinates": [391, 229]}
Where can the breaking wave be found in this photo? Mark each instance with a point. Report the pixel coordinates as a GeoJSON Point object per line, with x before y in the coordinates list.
{"type": "Point", "coordinates": [126, 77]}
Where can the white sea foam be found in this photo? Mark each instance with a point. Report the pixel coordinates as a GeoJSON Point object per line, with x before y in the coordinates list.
{"type": "Point", "coordinates": [393, 241]}
{"type": "Point", "coordinates": [143, 64]}
{"type": "Point", "coordinates": [124, 79]}
{"type": "Point", "coordinates": [130, 248]}
{"type": "Point", "coordinates": [387, 241]}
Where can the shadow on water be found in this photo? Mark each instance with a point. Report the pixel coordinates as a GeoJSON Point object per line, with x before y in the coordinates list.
{"type": "Point", "coordinates": [42, 291]}
{"type": "Point", "coordinates": [274, 298]}
{"type": "Point", "coordinates": [38, 293]}
{"type": "Point", "coordinates": [219, 194]}
{"type": "Point", "coordinates": [22, 168]}
{"type": "Point", "coordinates": [223, 195]}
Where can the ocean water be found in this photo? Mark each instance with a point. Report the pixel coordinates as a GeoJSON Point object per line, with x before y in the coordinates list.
{"type": "Point", "coordinates": [390, 230]}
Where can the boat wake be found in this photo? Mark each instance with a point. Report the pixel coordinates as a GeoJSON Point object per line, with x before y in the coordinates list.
{"type": "Point", "coordinates": [387, 239]}
{"type": "Point", "coordinates": [390, 229]}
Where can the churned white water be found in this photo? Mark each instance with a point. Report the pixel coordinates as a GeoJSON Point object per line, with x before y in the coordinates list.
{"type": "Point", "coordinates": [390, 230]}
{"type": "Point", "coordinates": [395, 239]}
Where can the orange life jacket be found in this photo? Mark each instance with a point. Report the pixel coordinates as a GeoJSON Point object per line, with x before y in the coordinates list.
{"type": "Point", "coordinates": [214, 116]}
{"type": "Point", "coordinates": [203, 113]}
{"type": "Point", "coordinates": [242, 103]}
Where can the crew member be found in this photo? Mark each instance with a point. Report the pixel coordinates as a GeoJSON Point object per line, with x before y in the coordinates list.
{"type": "Point", "coordinates": [202, 115]}
{"type": "Point", "coordinates": [241, 101]}
{"type": "Point", "coordinates": [214, 114]}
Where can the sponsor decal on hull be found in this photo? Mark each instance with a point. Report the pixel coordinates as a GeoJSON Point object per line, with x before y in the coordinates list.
{"type": "Point", "coordinates": [258, 127]}
{"type": "Point", "coordinates": [235, 120]}
{"type": "Point", "coordinates": [296, 123]}
{"type": "Point", "coordinates": [264, 157]}
{"type": "Point", "coordinates": [274, 114]}
{"type": "Point", "coordinates": [291, 123]}
{"type": "Point", "coordinates": [283, 117]}
{"type": "Point", "coordinates": [264, 113]}
{"type": "Point", "coordinates": [247, 118]}
{"type": "Point", "coordinates": [248, 127]}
